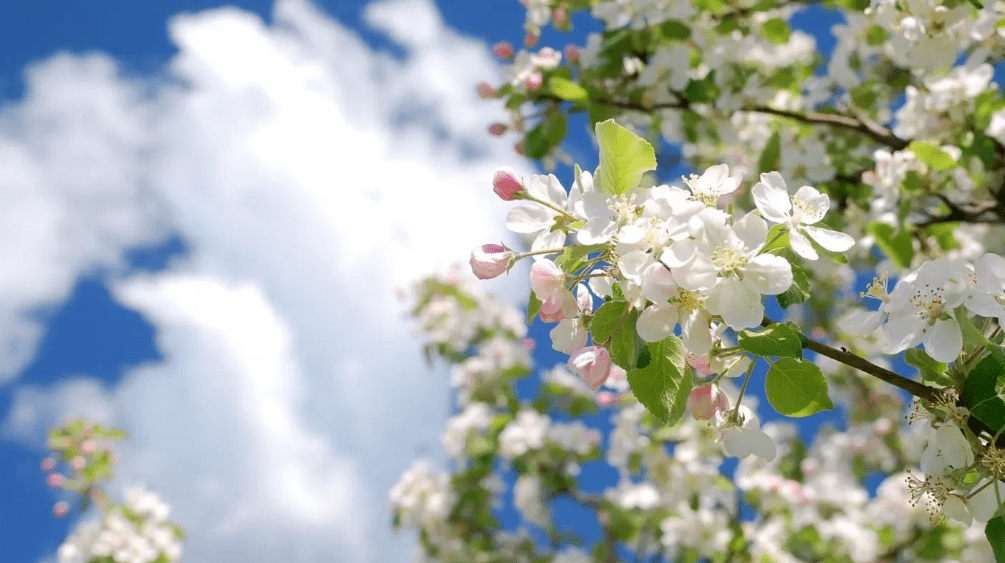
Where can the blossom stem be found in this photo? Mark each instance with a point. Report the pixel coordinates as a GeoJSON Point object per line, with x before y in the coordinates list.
{"type": "Point", "coordinates": [743, 388]}
{"type": "Point", "coordinates": [919, 390]}
{"type": "Point", "coordinates": [552, 207]}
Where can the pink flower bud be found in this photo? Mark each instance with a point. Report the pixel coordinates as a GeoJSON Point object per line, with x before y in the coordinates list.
{"type": "Point", "coordinates": [592, 363]}
{"type": "Point", "coordinates": [78, 462]}
{"type": "Point", "coordinates": [48, 464]}
{"type": "Point", "coordinates": [530, 39]}
{"type": "Point", "coordinates": [490, 260]}
{"type": "Point", "coordinates": [572, 53]}
{"type": "Point", "coordinates": [518, 148]}
{"type": "Point", "coordinates": [534, 81]}
{"type": "Point", "coordinates": [503, 50]}
{"type": "Point", "coordinates": [55, 480]}
{"type": "Point", "coordinates": [605, 399]}
{"type": "Point", "coordinates": [546, 278]}
{"type": "Point", "coordinates": [528, 344]}
{"type": "Point", "coordinates": [699, 363]}
{"type": "Point", "coordinates": [497, 129]}
{"type": "Point", "coordinates": [560, 17]}
{"type": "Point", "coordinates": [61, 508]}
{"type": "Point", "coordinates": [88, 447]}
{"type": "Point", "coordinates": [486, 91]}
{"type": "Point", "coordinates": [705, 401]}
{"type": "Point", "coordinates": [506, 184]}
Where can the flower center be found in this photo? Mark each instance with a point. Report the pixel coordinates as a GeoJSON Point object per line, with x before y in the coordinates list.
{"type": "Point", "coordinates": [930, 303]}
{"type": "Point", "coordinates": [730, 261]}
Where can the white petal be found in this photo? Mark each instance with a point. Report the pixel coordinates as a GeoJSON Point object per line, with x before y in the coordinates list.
{"type": "Point", "coordinates": [816, 204]}
{"type": "Point", "coordinates": [700, 273]}
{"type": "Point", "coordinates": [752, 230]}
{"type": "Point", "coordinates": [657, 322]}
{"type": "Point", "coordinates": [772, 199]}
{"type": "Point", "coordinates": [547, 188]}
{"type": "Point", "coordinates": [944, 341]}
{"type": "Point", "coordinates": [801, 245]}
{"type": "Point", "coordinates": [956, 508]}
{"type": "Point", "coordinates": [834, 241]}
{"type": "Point", "coordinates": [902, 332]}
{"type": "Point", "coordinates": [657, 283]}
{"type": "Point", "coordinates": [768, 274]}
{"type": "Point", "coordinates": [528, 218]}
{"type": "Point", "coordinates": [737, 303]}
{"type": "Point", "coordinates": [761, 444]}
{"type": "Point", "coordinates": [547, 240]}
{"type": "Point", "coordinates": [984, 504]}
{"type": "Point", "coordinates": [597, 231]}
{"type": "Point", "coordinates": [633, 264]}
{"type": "Point", "coordinates": [861, 322]}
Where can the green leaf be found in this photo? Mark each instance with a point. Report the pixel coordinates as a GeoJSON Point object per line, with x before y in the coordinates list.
{"type": "Point", "coordinates": [943, 234]}
{"type": "Point", "coordinates": [624, 158]}
{"type": "Point", "coordinates": [778, 238]}
{"type": "Point", "coordinates": [931, 371]}
{"type": "Point", "coordinates": [675, 29]}
{"type": "Point", "coordinates": [798, 292]}
{"type": "Point", "coordinates": [932, 155]}
{"type": "Point", "coordinates": [775, 340]}
{"type": "Point", "coordinates": [606, 320]}
{"type": "Point", "coordinates": [547, 135]}
{"type": "Point", "coordinates": [664, 384]}
{"type": "Point", "coordinates": [972, 336]}
{"type": "Point", "coordinates": [898, 247]}
{"type": "Point", "coordinates": [995, 532]}
{"type": "Point", "coordinates": [776, 30]}
{"type": "Point", "coordinates": [567, 89]}
{"type": "Point", "coordinates": [533, 306]}
{"type": "Point", "coordinates": [625, 343]}
{"type": "Point", "coordinates": [876, 35]}
{"type": "Point", "coordinates": [772, 153]}
{"type": "Point", "coordinates": [984, 389]}
{"type": "Point", "coordinates": [797, 388]}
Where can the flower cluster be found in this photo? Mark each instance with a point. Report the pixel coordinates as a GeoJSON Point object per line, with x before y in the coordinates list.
{"type": "Point", "coordinates": [137, 531]}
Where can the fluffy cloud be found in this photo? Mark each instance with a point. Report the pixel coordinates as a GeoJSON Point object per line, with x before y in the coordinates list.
{"type": "Point", "coordinates": [310, 176]}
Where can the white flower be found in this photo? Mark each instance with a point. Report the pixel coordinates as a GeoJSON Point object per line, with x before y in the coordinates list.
{"type": "Point", "coordinates": [745, 439]}
{"type": "Point", "coordinates": [805, 208]}
{"type": "Point", "coordinates": [723, 261]}
{"type": "Point", "coordinates": [712, 184]}
{"type": "Point", "coordinates": [536, 219]}
{"type": "Point", "coordinates": [919, 310]}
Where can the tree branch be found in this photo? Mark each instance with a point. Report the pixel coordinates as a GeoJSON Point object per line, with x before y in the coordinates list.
{"type": "Point", "coordinates": [919, 390]}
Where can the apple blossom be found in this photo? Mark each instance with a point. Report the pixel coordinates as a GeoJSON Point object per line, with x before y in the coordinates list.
{"type": "Point", "coordinates": [592, 363]}
{"type": "Point", "coordinates": [798, 213]}
{"type": "Point", "coordinates": [490, 260]}
{"type": "Point", "coordinates": [705, 401]}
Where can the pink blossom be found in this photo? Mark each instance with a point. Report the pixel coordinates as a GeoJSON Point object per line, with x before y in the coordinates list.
{"type": "Point", "coordinates": [530, 39]}
{"type": "Point", "coordinates": [48, 464]}
{"type": "Point", "coordinates": [490, 260]}
{"type": "Point", "coordinates": [88, 447]}
{"type": "Point", "coordinates": [506, 184]}
{"type": "Point", "coordinates": [497, 129]}
{"type": "Point", "coordinates": [572, 53]}
{"type": "Point", "coordinates": [605, 399]}
{"type": "Point", "coordinates": [486, 91]}
{"type": "Point", "coordinates": [503, 50]}
{"type": "Point", "coordinates": [61, 508]}
{"type": "Point", "coordinates": [534, 81]}
{"type": "Point", "coordinates": [78, 462]}
{"type": "Point", "coordinates": [55, 479]}
{"type": "Point", "coordinates": [560, 16]}
{"type": "Point", "coordinates": [592, 363]}
{"type": "Point", "coordinates": [705, 401]}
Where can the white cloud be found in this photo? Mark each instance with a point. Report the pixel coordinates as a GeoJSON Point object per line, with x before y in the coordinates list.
{"type": "Point", "coordinates": [310, 176]}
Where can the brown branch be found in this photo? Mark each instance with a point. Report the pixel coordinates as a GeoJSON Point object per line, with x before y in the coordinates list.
{"type": "Point", "coordinates": [919, 390]}
{"type": "Point", "coordinates": [866, 127]}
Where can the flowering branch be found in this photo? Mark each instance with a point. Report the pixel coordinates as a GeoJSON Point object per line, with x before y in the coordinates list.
{"type": "Point", "coordinates": [919, 390]}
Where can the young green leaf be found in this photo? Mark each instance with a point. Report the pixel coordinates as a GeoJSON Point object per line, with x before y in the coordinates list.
{"type": "Point", "coordinates": [664, 384]}
{"type": "Point", "coordinates": [931, 371]}
{"type": "Point", "coordinates": [898, 246]}
{"type": "Point", "coordinates": [932, 155]}
{"type": "Point", "coordinates": [797, 388]}
{"type": "Point", "coordinates": [624, 158]}
{"type": "Point", "coordinates": [567, 89]}
{"type": "Point", "coordinates": [984, 389]}
{"type": "Point", "coordinates": [775, 340]}
{"type": "Point", "coordinates": [606, 320]}
{"type": "Point", "coordinates": [995, 532]}
{"type": "Point", "coordinates": [798, 292]}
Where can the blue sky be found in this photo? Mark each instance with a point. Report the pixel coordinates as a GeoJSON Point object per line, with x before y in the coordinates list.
{"type": "Point", "coordinates": [208, 211]}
